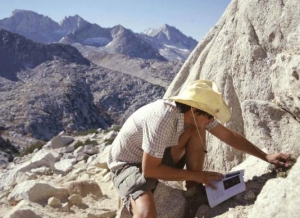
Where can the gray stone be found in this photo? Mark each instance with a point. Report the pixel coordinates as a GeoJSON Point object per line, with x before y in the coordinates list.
{"type": "Point", "coordinates": [169, 202]}
{"type": "Point", "coordinates": [61, 141]}
{"type": "Point", "coordinates": [64, 166]}
{"type": "Point", "coordinates": [65, 207]}
{"type": "Point", "coordinates": [110, 136]}
{"type": "Point", "coordinates": [67, 149]}
{"type": "Point", "coordinates": [101, 159]}
{"type": "Point", "coordinates": [40, 159]}
{"type": "Point", "coordinates": [101, 213]}
{"type": "Point", "coordinates": [27, 209]}
{"type": "Point", "coordinates": [41, 170]}
{"type": "Point", "coordinates": [36, 192]}
{"type": "Point", "coordinates": [84, 187]}
{"type": "Point", "coordinates": [90, 150]}
{"type": "Point", "coordinates": [79, 157]}
{"type": "Point", "coordinates": [78, 150]}
{"type": "Point", "coordinates": [54, 202]}
{"type": "Point", "coordinates": [279, 197]}
{"type": "Point", "coordinates": [75, 199]}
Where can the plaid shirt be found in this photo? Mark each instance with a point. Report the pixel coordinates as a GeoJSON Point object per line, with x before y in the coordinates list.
{"type": "Point", "coordinates": [152, 129]}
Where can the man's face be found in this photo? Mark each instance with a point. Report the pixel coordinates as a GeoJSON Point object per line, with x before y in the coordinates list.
{"type": "Point", "coordinates": [201, 120]}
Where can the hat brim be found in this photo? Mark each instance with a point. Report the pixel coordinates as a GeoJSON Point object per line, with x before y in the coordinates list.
{"type": "Point", "coordinates": [223, 114]}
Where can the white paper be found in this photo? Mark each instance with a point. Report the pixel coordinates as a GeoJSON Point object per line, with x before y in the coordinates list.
{"type": "Point", "coordinates": [232, 184]}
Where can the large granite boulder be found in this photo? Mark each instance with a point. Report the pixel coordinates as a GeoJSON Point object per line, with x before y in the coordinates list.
{"type": "Point", "coordinates": [279, 197]}
{"type": "Point", "coordinates": [252, 54]}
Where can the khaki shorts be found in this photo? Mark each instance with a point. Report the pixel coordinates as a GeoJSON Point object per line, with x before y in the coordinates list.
{"type": "Point", "coordinates": [131, 183]}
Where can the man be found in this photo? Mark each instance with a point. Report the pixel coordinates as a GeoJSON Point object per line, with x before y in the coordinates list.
{"type": "Point", "coordinates": [160, 138]}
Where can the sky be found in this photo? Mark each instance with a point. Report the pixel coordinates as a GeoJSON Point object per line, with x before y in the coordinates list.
{"type": "Point", "coordinates": [192, 17]}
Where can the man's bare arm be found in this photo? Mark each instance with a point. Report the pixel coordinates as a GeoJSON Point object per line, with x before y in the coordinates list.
{"type": "Point", "coordinates": [153, 168]}
{"type": "Point", "coordinates": [239, 142]}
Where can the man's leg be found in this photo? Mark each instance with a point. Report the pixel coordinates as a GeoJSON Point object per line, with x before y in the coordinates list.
{"type": "Point", "coordinates": [195, 150]}
{"type": "Point", "coordinates": [192, 147]}
{"type": "Point", "coordinates": [144, 206]}
{"type": "Point", "coordinates": [135, 190]}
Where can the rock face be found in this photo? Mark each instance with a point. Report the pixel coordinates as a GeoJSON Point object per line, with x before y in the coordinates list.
{"type": "Point", "coordinates": [254, 59]}
{"type": "Point", "coordinates": [279, 197]}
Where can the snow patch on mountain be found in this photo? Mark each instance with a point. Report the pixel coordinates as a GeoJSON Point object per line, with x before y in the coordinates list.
{"type": "Point", "coordinates": [100, 41]}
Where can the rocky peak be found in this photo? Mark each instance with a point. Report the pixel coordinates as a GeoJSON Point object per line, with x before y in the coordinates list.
{"type": "Point", "coordinates": [32, 25]}
{"type": "Point", "coordinates": [72, 23]}
{"type": "Point", "coordinates": [164, 29]}
{"type": "Point", "coordinates": [127, 43]}
{"type": "Point", "coordinates": [171, 36]}
{"type": "Point", "coordinates": [29, 21]}
{"type": "Point", "coordinates": [120, 30]}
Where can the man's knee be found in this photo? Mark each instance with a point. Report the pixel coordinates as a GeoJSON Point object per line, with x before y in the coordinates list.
{"type": "Point", "coordinates": [144, 206]}
{"type": "Point", "coordinates": [140, 213]}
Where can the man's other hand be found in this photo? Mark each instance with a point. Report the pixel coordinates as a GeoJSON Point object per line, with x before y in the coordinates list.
{"type": "Point", "coordinates": [279, 159]}
{"type": "Point", "coordinates": [207, 178]}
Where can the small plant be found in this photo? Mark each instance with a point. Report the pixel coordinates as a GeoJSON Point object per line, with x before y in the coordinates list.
{"type": "Point", "coordinates": [7, 146]}
{"type": "Point", "coordinates": [28, 150]}
{"type": "Point", "coordinates": [78, 144]}
{"type": "Point", "coordinates": [86, 142]}
{"type": "Point", "coordinates": [110, 141]}
{"type": "Point", "coordinates": [86, 132]}
{"type": "Point", "coordinates": [90, 142]}
{"type": "Point", "coordinates": [283, 171]}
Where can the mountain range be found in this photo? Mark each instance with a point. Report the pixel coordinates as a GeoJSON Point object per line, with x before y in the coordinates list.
{"type": "Point", "coordinates": [75, 75]}
{"type": "Point", "coordinates": [165, 43]}
{"type": "Point", "coordinates": [48, 88]}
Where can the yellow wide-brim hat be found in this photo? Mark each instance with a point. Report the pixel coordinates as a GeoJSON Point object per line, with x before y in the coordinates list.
{"type": "Point", "coordinates": [205, 95]}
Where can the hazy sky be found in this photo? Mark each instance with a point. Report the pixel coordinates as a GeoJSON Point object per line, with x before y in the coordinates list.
{"type": "Point", "coordinates": [192, 17]}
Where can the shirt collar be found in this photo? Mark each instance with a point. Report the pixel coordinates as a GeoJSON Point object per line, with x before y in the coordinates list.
{"type": "Point", "coordinates": [180, 116]}
{"type": "Point", "coordinates": [180, 122]}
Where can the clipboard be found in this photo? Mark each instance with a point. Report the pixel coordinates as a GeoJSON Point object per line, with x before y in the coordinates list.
{"type": "Point", "coordinates": [232, 184]}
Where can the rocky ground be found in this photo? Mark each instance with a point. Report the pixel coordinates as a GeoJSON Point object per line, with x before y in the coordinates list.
{"type": "Point", "coordinates": [69, 177]}
{"type": "Point", "coordinates": [41, 183]}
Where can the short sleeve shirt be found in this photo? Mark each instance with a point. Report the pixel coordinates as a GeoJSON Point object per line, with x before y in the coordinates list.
{"type": "Point", "coordinates": [151, 129]}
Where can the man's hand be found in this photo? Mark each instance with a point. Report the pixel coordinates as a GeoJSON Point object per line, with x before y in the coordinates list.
{"type": "Point", "coordinates": [279, 159]}
{"type": "Point", "coordinates": [207, 177]}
